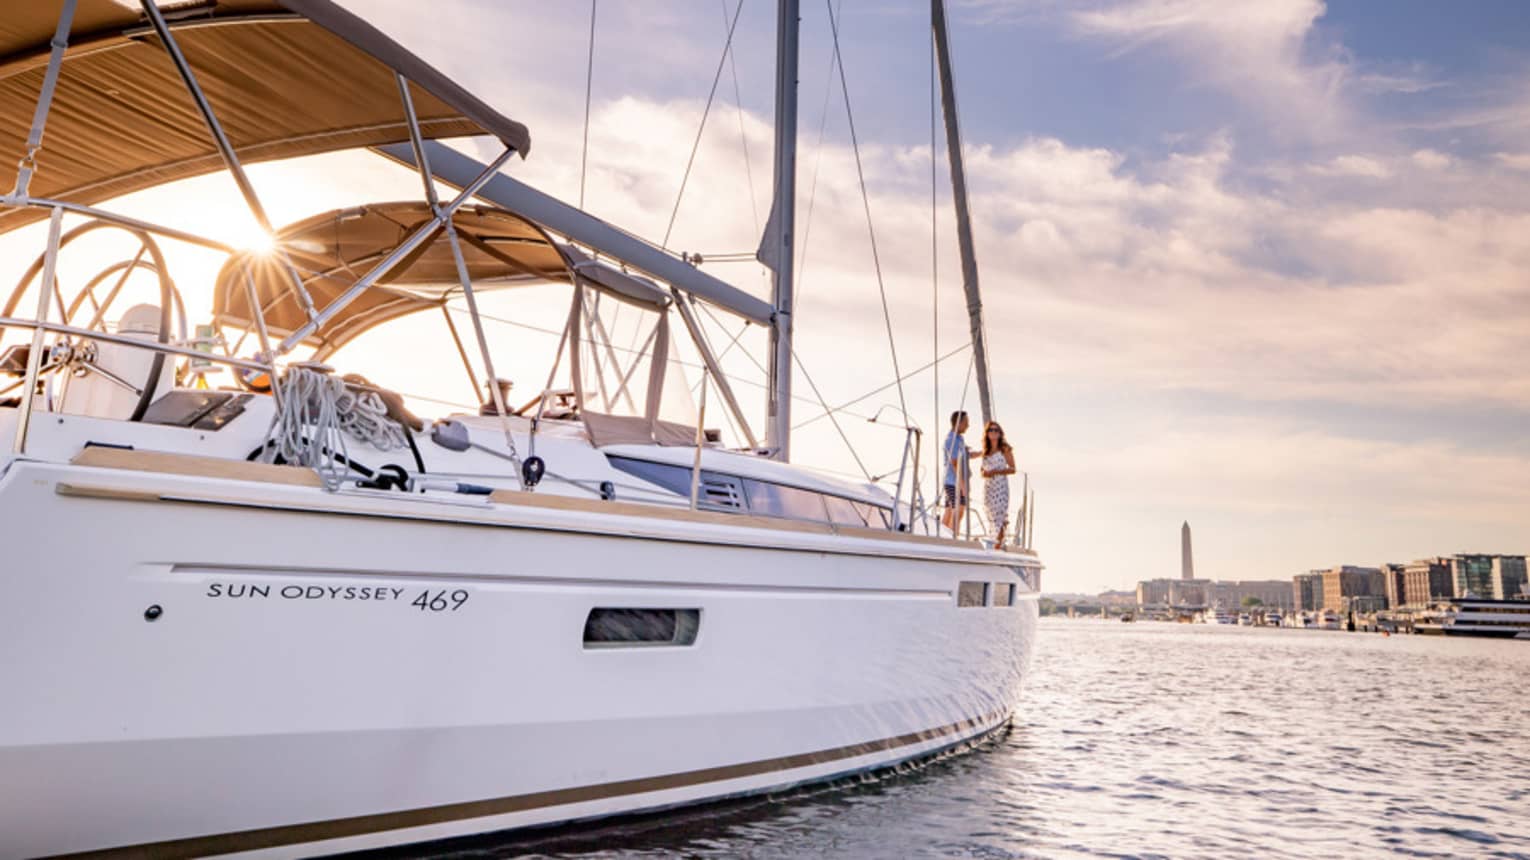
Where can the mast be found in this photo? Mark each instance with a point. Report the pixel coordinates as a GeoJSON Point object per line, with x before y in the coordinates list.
{"type": "Point", "coordinates": [963, 216]}
{"type": "Point", "coordinates": [776, 246]}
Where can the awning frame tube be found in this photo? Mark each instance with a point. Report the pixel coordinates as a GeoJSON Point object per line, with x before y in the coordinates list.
{"type": "Point", "coordinates": [225, 147]}
{"type": "Point", "coordinates": [495, 393]}
{"type": "Point", "coordinates": [34, 356]}
{"type": "Point", "coordinates": [416, 142]}
{"type": "Point", "coordinates": [115, 218]}
{"type": "Point", "coordinates": [56, 48]}
{"type": "Point", "coordinates": [454, 168]}
{"type": "Point", "coordinates": [390, 262]}
{"type": "Point", "coordinates": [712, 367]}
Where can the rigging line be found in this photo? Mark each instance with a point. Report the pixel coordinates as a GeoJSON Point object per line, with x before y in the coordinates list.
{"type": "Point", "coordinates": [827, 411]}
{"type": "Point", "coordinates": [734, 341]}
{"type": "Point", "coordinates": [876, 260]}
{"type": "Point", "coordinates": [878, 390]}
{"type": "Point", "coordinates": [962, 406]}
{"type": "Point", "coordinates": [589, 77]}
{"type": "Point", "coordinates": [738, 101]}
{"type": "Point", "coordinates": [457, 404]}
{"type": "Point", "coordinates": [934, 267]}
{"type": "Point", "coordinates": [683, 363]}
{"type": "Point", "coordinates": [728, 418]}
{"type": "Point", "coordinates": [823, 124]}
{"type": "Point", "coordinates": [696, 145]}
{"type": "Point", "coordinates": [967, 386]}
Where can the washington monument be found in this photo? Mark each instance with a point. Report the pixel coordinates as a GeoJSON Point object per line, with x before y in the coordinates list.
{"type": "Point", "coordinates": [1186, 558]}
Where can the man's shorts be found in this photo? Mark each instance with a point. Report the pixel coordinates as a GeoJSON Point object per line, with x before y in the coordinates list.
{"type": "Point", "coordinates": [951, 498]}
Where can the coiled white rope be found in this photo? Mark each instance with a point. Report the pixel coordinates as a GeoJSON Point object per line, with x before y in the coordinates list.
{"type": "Point", "coordinates": [312, 409]}
{"type": "Point", "coordinates": [363, 415]}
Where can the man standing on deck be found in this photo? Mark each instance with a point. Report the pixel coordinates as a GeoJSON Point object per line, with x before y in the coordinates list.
{"type": "Point", "coordinates": [957, 468]}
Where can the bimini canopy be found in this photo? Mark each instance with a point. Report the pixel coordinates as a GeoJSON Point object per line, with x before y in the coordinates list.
{"type": "Point", "coordinates": [285, 78]}
{"type": "Point", "coordinates": [331, 251]}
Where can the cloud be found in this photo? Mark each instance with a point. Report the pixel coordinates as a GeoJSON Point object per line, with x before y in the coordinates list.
{"type": "Point", "coordinates": [1432, 159]}
{"type": "Point", "coordinates": [1169, 275]}
{"type": "Point", "coordinates": [1352, 165]}
{"type": "Point", "coordinates": [1367, 275]}
{"type": "Point", "coordinates": [1514, 160]}
{"type": "Point", "coordinates": [1409, 81]}
{"type": "Point", "coordinates": [1258, 52]}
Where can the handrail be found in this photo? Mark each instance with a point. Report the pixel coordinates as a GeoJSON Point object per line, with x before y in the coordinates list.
{"type": "Point", "coordinates": [125, 340]}
{"type": "Point", "coordinates": [124, 220]}
{"type": "Point", "coordinates": [34, 361]}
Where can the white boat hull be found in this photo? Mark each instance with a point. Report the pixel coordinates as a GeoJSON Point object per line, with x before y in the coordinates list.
{"type": "Point", "coordinates": [294, 695]}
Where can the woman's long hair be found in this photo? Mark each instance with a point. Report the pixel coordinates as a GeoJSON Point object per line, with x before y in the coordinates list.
{"type": "Point", "coordinates": [988, 444]}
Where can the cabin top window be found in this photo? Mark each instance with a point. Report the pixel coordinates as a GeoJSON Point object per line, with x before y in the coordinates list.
{"type": "Point", "coordinates": [723, 492]}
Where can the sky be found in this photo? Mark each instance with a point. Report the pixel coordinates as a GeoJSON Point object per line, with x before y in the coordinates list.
{"type": "Point", "coordinates": [1262, 267]}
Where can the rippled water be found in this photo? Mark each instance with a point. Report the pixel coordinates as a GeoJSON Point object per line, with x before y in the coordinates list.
{"type": "Point", "coordinates": [1177, 741]}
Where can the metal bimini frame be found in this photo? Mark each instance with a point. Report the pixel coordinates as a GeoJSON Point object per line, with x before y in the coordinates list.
{"type": "Point", "coordinates": [221, 141]}
{"type": "Point", "coordinates": [435, 159]}
{"type": "Point", "coordinates": [265, 361]}
{"type": "Point", "coordinates": [40, 325]}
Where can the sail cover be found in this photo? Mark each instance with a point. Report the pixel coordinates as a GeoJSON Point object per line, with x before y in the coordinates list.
{"type": "Point", "coordinates": [334, 249]}
{"type": "Point", "coordinates": [288, 78]}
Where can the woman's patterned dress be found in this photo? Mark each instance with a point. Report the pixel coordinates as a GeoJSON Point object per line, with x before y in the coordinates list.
{"type": "Point", "coordinates": [996, 492]}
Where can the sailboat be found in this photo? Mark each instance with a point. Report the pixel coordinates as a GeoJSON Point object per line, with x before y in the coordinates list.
{"type": "Point", "coordinates": [287, 615]}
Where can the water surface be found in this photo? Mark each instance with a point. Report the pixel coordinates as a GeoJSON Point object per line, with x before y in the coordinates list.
{"type": "Point", "coordinates": [1170, 740]}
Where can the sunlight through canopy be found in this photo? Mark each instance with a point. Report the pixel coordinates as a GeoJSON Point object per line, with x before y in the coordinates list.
{"type": "Point", "coordinates": [121, 119]}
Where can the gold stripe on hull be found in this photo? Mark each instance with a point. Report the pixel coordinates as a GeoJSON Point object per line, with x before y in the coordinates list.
{"type": "Point", "coordinates": [316, 831]}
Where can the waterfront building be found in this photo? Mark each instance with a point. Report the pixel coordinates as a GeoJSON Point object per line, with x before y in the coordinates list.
{"type": "Point", "coordinates": [1363, 604]}
{"type": "Point", "coordinates": [1509, 577]}
{"type": "Point", "coordinates": [1198, 593]}
{"type": "Point", "coordinates": [1471, 575]}
{"type": "Point", "coordinates": [1273, 593]}
{"type": "Point", "coordinates": [1186, 558]}
{"type": "Point", "coordinates": [1347, 580]}
{"type": "Point", "coordinates": [1191, 593]}
{"type": "Point", "coordinates": [1394, 581]}
{"type": "Point", "coordinates": [1307, 591]}
{"type": "Point", "coordinates": [1427, 581]}
{"type": "Point", "coordinates": [1153, 592]}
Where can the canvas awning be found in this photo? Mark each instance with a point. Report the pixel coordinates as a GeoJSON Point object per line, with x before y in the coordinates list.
{"type": "Point", "coordinates": [286, 78]}
{"type": "Point", "coordinates": [332, 250]}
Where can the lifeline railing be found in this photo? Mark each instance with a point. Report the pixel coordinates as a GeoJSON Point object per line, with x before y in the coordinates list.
{"type": "Point", "coordinates": [33, 377]}
{"type": "Point", "coordinates": [40, 325]}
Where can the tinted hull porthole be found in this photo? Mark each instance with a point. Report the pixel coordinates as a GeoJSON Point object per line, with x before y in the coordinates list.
{"type": "Point", "coordinates": [972, 594]}
{"type": "Point", "coordinates": [634, 627]}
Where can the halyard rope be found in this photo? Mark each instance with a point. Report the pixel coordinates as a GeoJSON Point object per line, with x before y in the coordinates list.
{"type": "Point", "coordinates": [315, 411]}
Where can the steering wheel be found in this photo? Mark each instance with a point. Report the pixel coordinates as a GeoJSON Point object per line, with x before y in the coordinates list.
{"type": "Point", "coordinates": [76, 355]}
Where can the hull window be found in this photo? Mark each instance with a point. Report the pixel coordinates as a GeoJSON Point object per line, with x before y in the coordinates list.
{"type": "Point", "coordinates": [626, 628]}
{"type": "Point", "coordinates": [1004, 594]}
{"type": "Point", "coordinates": [972, 594]}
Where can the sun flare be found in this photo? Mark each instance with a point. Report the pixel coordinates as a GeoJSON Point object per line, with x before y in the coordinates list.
{"type": "Point", "coordinates": [257, 242]}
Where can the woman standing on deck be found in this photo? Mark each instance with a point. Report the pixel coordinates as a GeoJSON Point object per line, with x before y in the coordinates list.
{"type": "Point", "coordinates": [998, 465]}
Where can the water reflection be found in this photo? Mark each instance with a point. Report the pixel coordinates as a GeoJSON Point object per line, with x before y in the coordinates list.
{"type": "Point", "coordinates": [1151, 740]}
